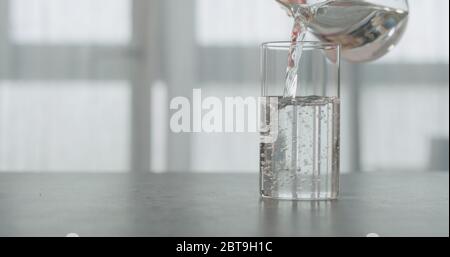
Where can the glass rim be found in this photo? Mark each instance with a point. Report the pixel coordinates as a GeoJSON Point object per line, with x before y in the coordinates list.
{"type": "Point", "coordinates": [307, 45]}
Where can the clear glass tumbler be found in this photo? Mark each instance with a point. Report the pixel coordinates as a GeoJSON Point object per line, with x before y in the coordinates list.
{"type": "Point", "coordinates": [299, 148]}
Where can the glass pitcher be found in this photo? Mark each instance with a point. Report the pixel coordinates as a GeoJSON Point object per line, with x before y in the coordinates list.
{"type": "Point", "coordinates": [365, 29]}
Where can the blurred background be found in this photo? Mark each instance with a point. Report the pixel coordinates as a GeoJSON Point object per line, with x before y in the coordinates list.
{"type": "Point", "coordinates": [85, 86]}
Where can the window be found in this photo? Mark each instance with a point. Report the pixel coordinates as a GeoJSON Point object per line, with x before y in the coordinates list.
{"type": "Point", "coordinates": [70, 22]}
{"type": "Point", "coordinates": [401, 125]}
{"type": "Point", "coordinates": [66, 91]}
{"type": "Point", "coordinates": [237, 22]}
{"type": "Point", "coordinates": [64, 126]}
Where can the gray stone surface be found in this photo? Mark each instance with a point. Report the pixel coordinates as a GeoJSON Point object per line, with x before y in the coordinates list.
{"type": "Point", "coordinates": [389, 204]}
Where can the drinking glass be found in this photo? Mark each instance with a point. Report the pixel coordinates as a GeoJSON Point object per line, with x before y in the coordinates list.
{"type": "Point", "coordinates": [299, 136]}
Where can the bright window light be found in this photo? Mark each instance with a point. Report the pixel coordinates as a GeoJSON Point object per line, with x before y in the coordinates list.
{"type": "Point", "coordinates": [240, 22]}
{"type": "Point", "coordinates": [400, 123]}
{"type": "Point", "coordinates": [64, 126]}
{"type": "Point", "coordinates": [70, 22]}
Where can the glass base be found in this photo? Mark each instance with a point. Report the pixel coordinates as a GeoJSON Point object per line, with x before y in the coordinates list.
{"type": "Point", "coordinates": [303, 197]}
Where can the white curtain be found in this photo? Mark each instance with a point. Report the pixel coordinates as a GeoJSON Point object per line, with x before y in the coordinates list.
{"type": "Point", "coordinates": [85, 86]}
